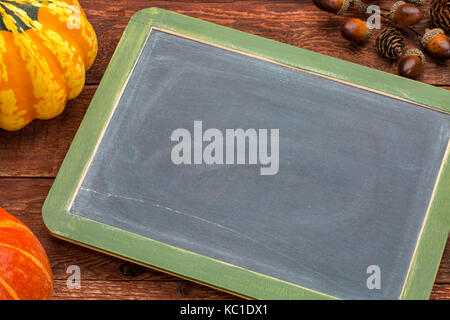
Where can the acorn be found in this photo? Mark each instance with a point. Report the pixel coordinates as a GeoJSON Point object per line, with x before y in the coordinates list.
{"type": "Point", "coordinates": [436, 43]}
{"type": "Point", "coordinates": [405, 14]}
{"type": "Point", "coordinates": [355, 30]}
{"type": "Point", "coordinates": [411, 63]}
{"type": "Point", "coordinates": [333, 6]}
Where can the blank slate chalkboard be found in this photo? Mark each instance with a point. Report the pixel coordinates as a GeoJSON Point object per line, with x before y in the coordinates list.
{"type": "Point", "coordinates": [341, 214]}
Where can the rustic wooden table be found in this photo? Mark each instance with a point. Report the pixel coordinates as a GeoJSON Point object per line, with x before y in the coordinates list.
{"type": "Point", "coordinates": [30, 158]}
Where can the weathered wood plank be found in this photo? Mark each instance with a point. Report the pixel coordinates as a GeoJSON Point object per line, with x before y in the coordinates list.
{"type": "Point", "coordinates": [137, 290]}
{"type": "Point", "coordinates": [443, 275]}
{"type": "Point", "coordinates": [39, 149]}
{"type": "Point", "coordinates": [298, 23]}
{"type": "Point", "coordinates": [24, 198]}
{"type": "Point", "coordinates": [440, 292]}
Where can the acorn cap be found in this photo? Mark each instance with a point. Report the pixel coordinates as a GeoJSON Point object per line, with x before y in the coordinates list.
{"type": "Point", "coordinates": [415, 52]}
{"type": "Point", "coordinates": [369, 33]}
{"type": "Point", "coordinates": [430, 34]}
{"type": "Point", "coordinates": [394, 9]}
{"type": "Point", "coordinates": [360, 4]}
{"type": "Point", "coordinates": [345, 5]}
{"type": "Point", "coordinates": [416, 2]}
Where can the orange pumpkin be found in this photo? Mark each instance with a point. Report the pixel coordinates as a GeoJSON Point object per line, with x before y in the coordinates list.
{"type": "Point", "coordinates": [25, 271]}
{"type": "Point", "coordinates": [46, 46]}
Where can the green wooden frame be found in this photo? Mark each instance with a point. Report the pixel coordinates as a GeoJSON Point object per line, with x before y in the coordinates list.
{"type": "Point", "coordinates": [180, 262]}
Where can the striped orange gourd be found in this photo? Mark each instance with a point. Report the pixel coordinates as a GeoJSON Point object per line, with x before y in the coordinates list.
{"type": "Point", "coordinates": [25, 271]}
{"type": "Point", "coordinates": [46, 46]}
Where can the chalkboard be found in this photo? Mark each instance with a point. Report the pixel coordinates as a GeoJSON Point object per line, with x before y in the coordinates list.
{"type": "Point", "coordinates": [327, 191]}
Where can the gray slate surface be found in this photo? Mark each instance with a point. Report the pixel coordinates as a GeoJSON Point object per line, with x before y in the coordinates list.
{"type": "Point", "coordinates": [356, 174]}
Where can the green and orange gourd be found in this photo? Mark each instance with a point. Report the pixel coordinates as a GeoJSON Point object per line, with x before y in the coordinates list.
{"type": "Point", "coordinates": [45, 49]}
{"type": "Point", "coordinates": [25, 271]}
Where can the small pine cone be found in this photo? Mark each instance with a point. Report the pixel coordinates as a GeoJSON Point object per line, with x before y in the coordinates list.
{"type": "Point", "coordinates": [390, 43]}
{"type": "Point", "coordinates": [440, 14]}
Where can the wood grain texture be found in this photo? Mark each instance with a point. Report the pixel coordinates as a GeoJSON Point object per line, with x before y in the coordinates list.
{"type": "Point", "coordinates": [440, 292]}
{"type": "Point", "coordinates": [39, 149]}
{"type": "Point", "coordinates": [138, 290]}
{"type": "Point", "coordinates": [30, 159]}
{"type": "Point", "coordinates": [295, 22]}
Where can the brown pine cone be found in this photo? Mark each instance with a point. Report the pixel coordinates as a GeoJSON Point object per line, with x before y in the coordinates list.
{"type": "Point", "coordinates": [390, 43]}
{"type": "Point", "coordinates": [440, 14]}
